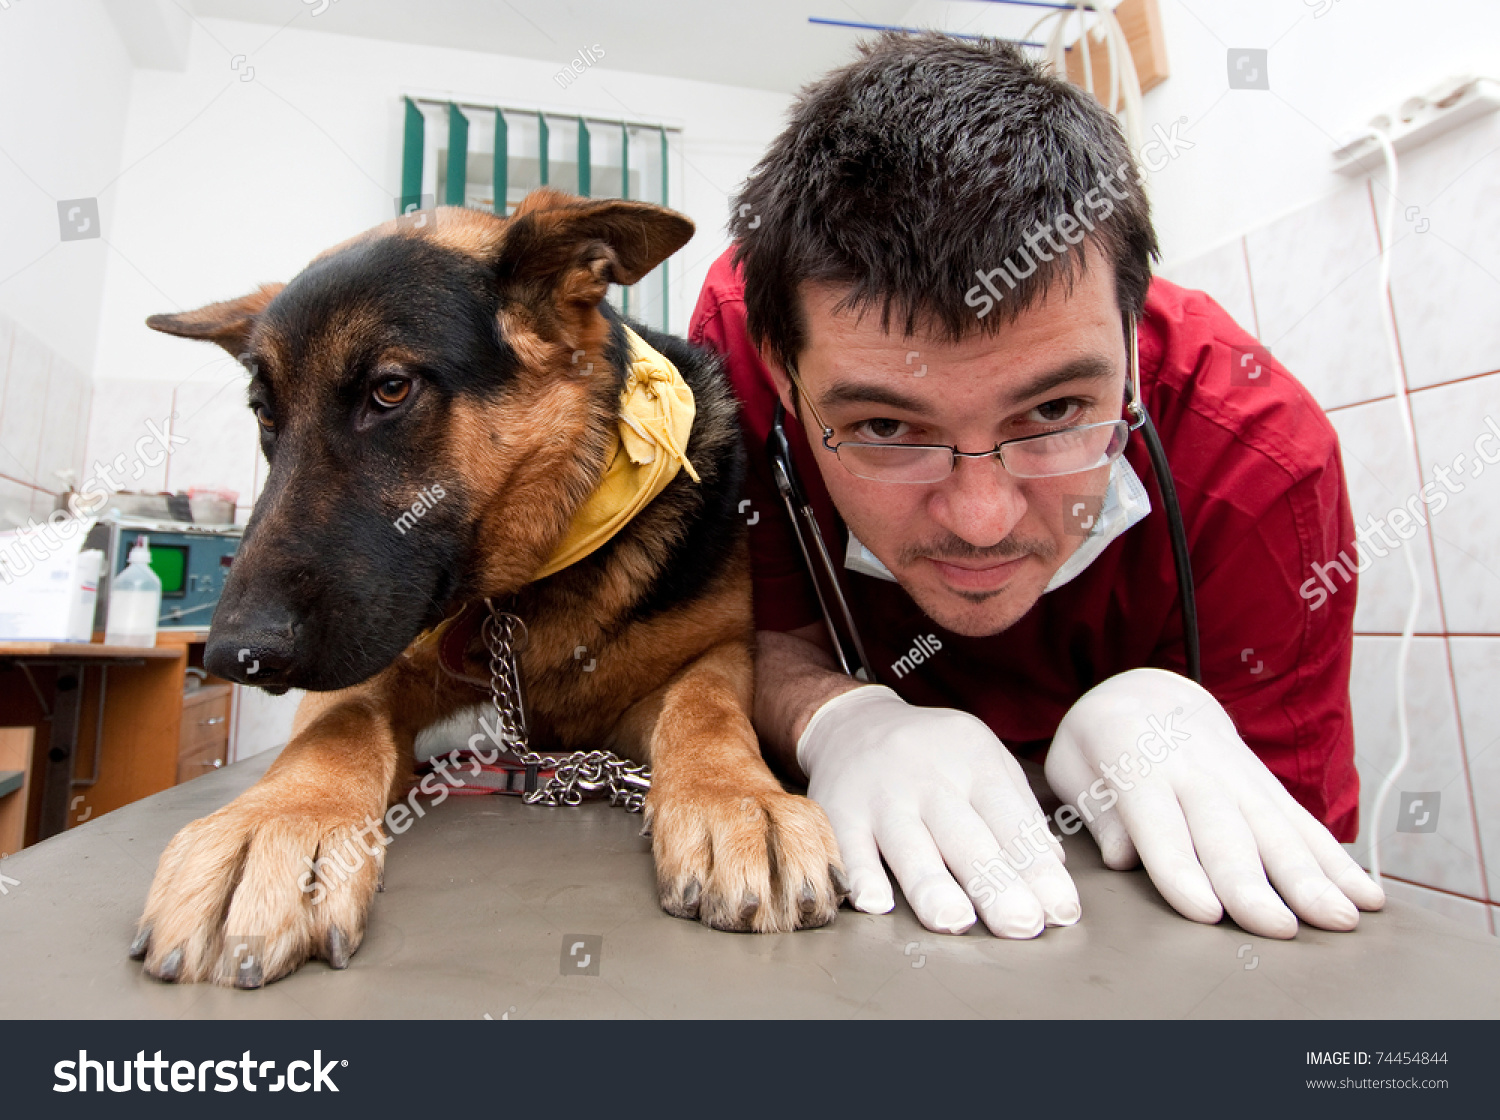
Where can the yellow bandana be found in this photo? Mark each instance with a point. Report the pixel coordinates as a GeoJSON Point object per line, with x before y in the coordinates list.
{"type": "Point", "coordinates": [646, 449]}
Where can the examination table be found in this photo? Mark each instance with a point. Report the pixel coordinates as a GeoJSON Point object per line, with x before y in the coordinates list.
{"type": "Point", "coordinates": [497, 909]}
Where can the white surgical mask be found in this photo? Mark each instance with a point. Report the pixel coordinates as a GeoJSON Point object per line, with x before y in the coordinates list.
{"type": "Point", "coordinates": [1125, 503]}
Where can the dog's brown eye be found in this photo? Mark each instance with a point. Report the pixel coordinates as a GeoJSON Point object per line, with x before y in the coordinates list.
{"type": "Point", "coordinates": [263, 418]}
{"type": "Point", "coordinates": [392, 391]}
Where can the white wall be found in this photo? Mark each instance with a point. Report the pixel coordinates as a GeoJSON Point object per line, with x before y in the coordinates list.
{"type": "Point", "coordinates": [65, 86]}
{"type": "Point", "coordinates": [1259, 154]}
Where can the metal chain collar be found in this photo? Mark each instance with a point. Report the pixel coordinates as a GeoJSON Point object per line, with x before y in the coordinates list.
{"type": "Point", "coordinates": [575, 775]}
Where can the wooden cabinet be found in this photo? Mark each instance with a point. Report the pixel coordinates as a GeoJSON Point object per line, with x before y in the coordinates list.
{"type": "Point", "coordinates": [137, 731]}
{"type": "Point", "coordinates": [15, 783]}
{"type": "Point", "coordinates": [203, 742]}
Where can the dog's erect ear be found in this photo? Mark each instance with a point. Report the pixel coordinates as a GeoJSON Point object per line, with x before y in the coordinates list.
{"type": "Point", "coordinates": [577, 247]}
{"type": "Point", "coordinates": [228, 323]}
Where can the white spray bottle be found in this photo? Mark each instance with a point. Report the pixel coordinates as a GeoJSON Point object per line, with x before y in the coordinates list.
{"type": "Point", "coordinates": [134, 601]}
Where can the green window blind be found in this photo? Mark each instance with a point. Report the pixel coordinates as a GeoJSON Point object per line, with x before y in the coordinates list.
{"type": "Point", "coordinates": [458, 156]}
{"type": "Point", "coordinates": [585, 159]}
{"type": "Point", "coordinates": [541, 122]}
{"type": "Point", "coordinates": [500, 173]}
{"type": "Point", "coordinates": [469, 163]}
{"type": "Point", "coordinates": [411, 159]}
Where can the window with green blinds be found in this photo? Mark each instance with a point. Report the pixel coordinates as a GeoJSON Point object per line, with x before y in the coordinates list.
{"type": "Point", "coordinates": [490, 157]}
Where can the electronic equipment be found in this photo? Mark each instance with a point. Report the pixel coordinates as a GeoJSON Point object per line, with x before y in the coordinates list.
{"type": "Point", "coordinates": [192, 562]}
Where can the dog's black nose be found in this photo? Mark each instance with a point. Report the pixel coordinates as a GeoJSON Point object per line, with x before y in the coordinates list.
{"type": "Point", "coordinates": [257, 650]}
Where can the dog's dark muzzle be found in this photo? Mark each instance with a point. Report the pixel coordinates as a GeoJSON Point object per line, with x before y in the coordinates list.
{"type": "Point", "coordinates": [254, 647]}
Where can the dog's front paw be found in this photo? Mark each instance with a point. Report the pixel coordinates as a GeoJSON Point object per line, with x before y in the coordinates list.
{"type": "Point", "coordinates": [765, 861]}
{"type": "Point", "coordinates": [244, 896]}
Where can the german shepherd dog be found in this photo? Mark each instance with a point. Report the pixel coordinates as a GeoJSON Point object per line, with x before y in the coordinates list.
{"type": "Point", "coordinates": [475, 355]}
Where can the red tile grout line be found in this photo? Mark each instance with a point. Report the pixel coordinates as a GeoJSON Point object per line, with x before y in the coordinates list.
{"type": "Point", "coordinates": [1358, 404]}
{"type": "Point", "coordinates": [83, 452]}
{"type": "Point", "coordinates": [1439, 890]}
{"type": "Point", "coordinates": [1411, 391]}
{"type": "Point", "coordinates": [166, 477]}
{"type": "Point", "coordinates": [23, 482]}
{"type": "Point", "coordinates": [41, 442]}
{"type": "Point", "coordinates": [1454, 381]}
{"type": "Point", "coordinates": [1437, 577]}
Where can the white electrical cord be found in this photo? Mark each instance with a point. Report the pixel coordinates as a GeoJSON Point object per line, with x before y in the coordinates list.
{"type": "Point", "coordinates": [1124, 82]}
{"type": "Point", "coordinates": [1388, 238]}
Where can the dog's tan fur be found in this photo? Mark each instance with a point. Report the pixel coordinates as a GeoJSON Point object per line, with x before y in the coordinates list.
{"type": "Point", "coordinates": [731, 847]}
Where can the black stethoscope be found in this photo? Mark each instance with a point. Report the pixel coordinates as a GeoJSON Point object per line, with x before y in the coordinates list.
{"type": "Point", "coordinates": [848, 646]}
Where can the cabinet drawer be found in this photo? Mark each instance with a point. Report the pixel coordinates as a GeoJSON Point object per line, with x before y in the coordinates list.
{"type": "Point", "coordinates": [204, 727]}
{"type": "Point", "coordinates": [203, 742]}
{"type": "Point", "coordinates": [191, 766]}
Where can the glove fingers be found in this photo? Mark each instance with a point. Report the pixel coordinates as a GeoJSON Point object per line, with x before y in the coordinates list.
{"type": "Point", "coordinates": [1350, 878]}
{"type": "Point", "coordinates": [1005, 901]}
{"type": "Point", "coordinates": [869, 889]}
{"type": "Point", "coordinates": [1115, 845]}
{"type": "Point", "coordinates": [1067, 771]}
{"type": "Point", "coordinates": [1075, 783]}
{"type": "Point", "coordinates": [1229, 855]}
{"type": "Point", "coordinates": [1294, 873]}
{"type": "Point", "coordinates": [1043, 870]}
{"type": "Point", "coordinates": [939, 902]}
{"type": "Point", "coordinates": [1153, 817]}
{"type": "Point", "coordinates": [1011, 809]}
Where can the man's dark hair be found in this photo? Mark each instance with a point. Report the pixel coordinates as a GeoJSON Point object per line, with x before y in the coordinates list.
{"type": "Point", "coordinates": [921, 165]}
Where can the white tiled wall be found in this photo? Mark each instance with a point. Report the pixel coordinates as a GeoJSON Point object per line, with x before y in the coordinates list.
{"type": "Point", "coordinates": [1382, 475]}
{"type": "Point", "coordinates": [208, 411]}
{"type": "Point", "coordinates": [1314, 275]}
{"type": "Point", "coordinates": [44, 406]}
{"type": "Point", "coordinates": [1307, 284]}
{"type": "Point", "coordinates": [262, 721]}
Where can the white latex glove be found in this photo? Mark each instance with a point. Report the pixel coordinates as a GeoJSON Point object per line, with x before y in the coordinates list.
{"type": "Point", "coordinates": [929, 787]}
{"type": "Point", "coordinates": [1169, 782]}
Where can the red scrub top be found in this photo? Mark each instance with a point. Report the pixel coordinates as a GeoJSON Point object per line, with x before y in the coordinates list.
{"type": "Point", "coordinates": [1263, 498]}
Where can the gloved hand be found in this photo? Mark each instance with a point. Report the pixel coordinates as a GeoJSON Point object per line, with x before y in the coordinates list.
{"type": "Point", "coordinates": [1199, 809]}
{"type": "Point", "coordinates": [927, 787]}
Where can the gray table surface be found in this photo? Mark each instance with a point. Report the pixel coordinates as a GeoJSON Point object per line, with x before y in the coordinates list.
{"type": "Point", "coordinates": [485, 893]}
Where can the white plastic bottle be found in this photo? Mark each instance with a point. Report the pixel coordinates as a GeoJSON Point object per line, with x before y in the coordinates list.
{"type": "Point", "coordinates": [134, 601]}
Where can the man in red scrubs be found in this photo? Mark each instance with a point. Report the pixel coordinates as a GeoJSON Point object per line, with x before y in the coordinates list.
{"type": "Point", "coordinates": [937, 268]}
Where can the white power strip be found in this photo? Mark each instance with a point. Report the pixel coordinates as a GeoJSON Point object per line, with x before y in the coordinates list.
{"type": "Point", "coordinates": [1417, 120]}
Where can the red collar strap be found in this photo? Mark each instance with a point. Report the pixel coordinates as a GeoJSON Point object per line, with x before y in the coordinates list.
{"type": "Point", "coordinates": [453, 637]}
{"type": "Point", "coordinates": [476, 777]}
{"type": "Point", "coordinates": [454, 641]}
